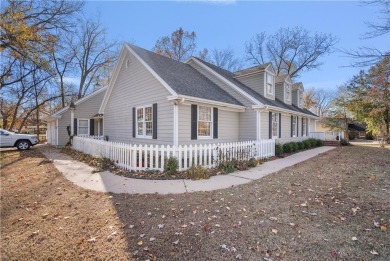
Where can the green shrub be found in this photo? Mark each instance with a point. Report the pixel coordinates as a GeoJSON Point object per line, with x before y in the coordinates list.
{"type": "Point", "coordinates": [171, 165]}
{"type": "Point", "coordinates": [320, 143]}
{"type": "Point", "coordinates": [300, 145]}
{"type": "Point", "coordinates": [252, 162]}
{"type": "Point", "coordinates": [313, 142]}
{"type": "Point", "coordinates": [278, 149]}
{"type": "Point", "coordinates": [306, 144]}
{"type": "Point", "coordinates": [198, 172]}
{"type": "Point", "coordinates": [287, 147]}
{"type": "Point", "coordinates": [344, 142]}
{"type": "Point", "coordinates": [227, 167]}
{"type": "Point", "coordinates": [294, 146]}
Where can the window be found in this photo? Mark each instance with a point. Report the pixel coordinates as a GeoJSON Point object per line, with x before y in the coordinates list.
{"type": "Point", "coordinates": [275, 125]}
{"type": "Point", "coordinates": [270, 83]}
{"type": "Point", "coordinates": [144, 122]}
{"type": "Point", "coordinates": [300, 102]}
{"type": "Point", "coordinates": [304, 127]}
{"type": "Point", "coordinates": [294, 126]}
{"type": "Point", "coordinates": [83, 127]}
{"type": "Point", "coordinates": [288, 92]}
{"type": "Point", "coordinates": [204, 121]}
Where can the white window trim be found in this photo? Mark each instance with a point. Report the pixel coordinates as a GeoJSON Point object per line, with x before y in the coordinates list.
{"type": "Point", "coordinates": [78, 126]}
{"type": "Point", "coordinates": [294, 126]}
{"type": "Point", "coordinates": [273, 83]}
{"type": "Point", "coordinates": [304, 127]}
{"type": "Point", "coordinates": [277, 126]}
{"type": "Point", "coordinates": [211, 125]}
{"type": "Point", "coordinates": [288, 91]}
{"type": "Point", "coordinates": [144, 136]}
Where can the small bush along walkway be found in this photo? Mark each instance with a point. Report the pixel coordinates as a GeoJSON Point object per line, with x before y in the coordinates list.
{"type": "Point", "coordinates": [285, 149]}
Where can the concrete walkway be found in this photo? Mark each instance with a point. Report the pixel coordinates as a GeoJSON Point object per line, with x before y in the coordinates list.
{"type": "Point", "coordinates": [81, 174]}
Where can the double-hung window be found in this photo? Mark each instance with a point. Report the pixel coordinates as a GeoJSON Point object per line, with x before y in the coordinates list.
{"type": "Point", "coordinates": [304, 127]}
{"type": "Point", "coordinates": [205, 122]}
{"type": "Point", "coordinates": [288, 92]}
{"type": "Point", "coordinates": [275, 125]}
{"type": "Point", "coordinates": [300, 98]}
{"type": "Point", "coordinates": [270, 83]}
{"type": "Point", "coordinates": [294, 126]}
{"type": "Point", "coordinates": [83, 127]}
{"type": "Point", "coordinates": [145, 122]}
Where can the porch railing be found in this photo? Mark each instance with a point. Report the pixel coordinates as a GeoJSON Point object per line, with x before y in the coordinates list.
{"type": "Point", "coordinates": [142, 157]}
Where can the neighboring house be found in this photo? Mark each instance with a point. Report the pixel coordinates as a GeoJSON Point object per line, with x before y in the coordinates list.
{"type": "Point", "coordinates": [152, 99]}
{"type": "Point", "coordinates": [329, 133]}
{"type": "Point", "coordinates": [357, 129]}
{"type": "Point", "coordinates": [86, 120]}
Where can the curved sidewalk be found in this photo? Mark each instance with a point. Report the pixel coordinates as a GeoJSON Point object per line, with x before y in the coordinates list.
{"type": "Point", "coordinates": [81, 174]}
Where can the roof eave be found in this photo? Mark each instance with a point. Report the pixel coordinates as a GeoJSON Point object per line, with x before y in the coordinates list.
{"type": "Point", "coordinates": [184, 98]}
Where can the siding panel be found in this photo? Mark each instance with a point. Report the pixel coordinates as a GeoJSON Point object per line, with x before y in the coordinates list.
{"type": "Point", "coordinates": [136, 86]}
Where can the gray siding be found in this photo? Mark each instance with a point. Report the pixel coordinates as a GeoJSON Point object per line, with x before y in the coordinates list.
{"type": "Point", "coordinates": [228, 126]}
{"type": "Point", "coordinates": [85, 110]}
{"type": "Point", "coordinates": [255, 82]}
{"type": "Point", "coordinates": [247, 119]}
{"type": "Point", "coordinates": [136, 86]}
{"type": "Point", "coordinates": [279, 91]}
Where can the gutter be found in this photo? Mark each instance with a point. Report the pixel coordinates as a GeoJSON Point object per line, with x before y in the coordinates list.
{"type": "Point", "coordinates": [270, 107]}
{"type": "Point", "coordinates": [184, 98]}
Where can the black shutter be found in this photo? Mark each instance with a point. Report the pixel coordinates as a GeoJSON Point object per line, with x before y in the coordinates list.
{"type": "Point", "coordinates": [75, 126]}
{"type": "Point", "coordinates": [270, 125]}
{"type": "Point", "coordinates": [134, 122]}
{"type": "Point", "coordinates": [297, 126]}
{"type": "Point", "coordinates": [302, 126]}
{"type": "Point", "coordinates": [280, 125]}
{"type": "Point", "coordinates": [292, 126]}
{"type": "Point", "coordinates": [154, 120]}
{"type": "Point", "coordinates": [215, 123]}
{"type": "Point", "coordinates": [194, 122]}
{"type": "Point", "coordinates": [91, 127]}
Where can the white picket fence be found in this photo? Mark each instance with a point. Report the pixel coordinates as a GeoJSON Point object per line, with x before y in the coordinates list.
{"type": "Point", "coordinates": [142, 157]}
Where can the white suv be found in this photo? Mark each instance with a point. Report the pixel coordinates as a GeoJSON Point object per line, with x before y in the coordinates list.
{"type": "Point", "coordinates": [20, 141]}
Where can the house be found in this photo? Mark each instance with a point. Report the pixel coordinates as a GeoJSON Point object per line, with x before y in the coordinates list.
{"type": "Point", "coordinates": [80, 119]}
{"type": "Point", "coordinates": [152, 99]}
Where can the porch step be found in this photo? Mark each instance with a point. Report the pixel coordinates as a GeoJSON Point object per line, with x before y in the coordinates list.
{"type": "Point", "coordinates": [334, 143]}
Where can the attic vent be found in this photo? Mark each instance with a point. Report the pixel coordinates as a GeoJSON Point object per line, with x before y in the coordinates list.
{"type": "Point", "coordinates": [127, 63]}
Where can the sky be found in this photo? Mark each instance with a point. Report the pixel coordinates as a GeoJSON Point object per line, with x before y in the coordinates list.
{"type": "Point", "coordinates": [220, 24]}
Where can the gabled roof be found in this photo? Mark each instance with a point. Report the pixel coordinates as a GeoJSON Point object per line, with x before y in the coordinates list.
{"type": "Point", "coordinates": [183, 78]}
{"type": "Point", "coordinates": [85, 98]}
{"type": "Point", "coordinates": [298, 86]}
{"type": "Point", "coordinates": [282, 78]}
{"type": "Point", "coordinates": [254, 69]}
{"type": "Point", "coordinates": [275, 103]}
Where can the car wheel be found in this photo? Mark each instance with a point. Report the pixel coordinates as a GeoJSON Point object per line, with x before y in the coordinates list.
{"type": "Point", "coordinates": [23, 145]}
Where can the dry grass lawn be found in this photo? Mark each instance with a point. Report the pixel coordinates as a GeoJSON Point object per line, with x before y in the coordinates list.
{"type": "Point", "coordinates": [333, 207]}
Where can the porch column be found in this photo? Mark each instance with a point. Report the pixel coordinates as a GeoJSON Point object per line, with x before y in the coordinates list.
{"type": "Point", "coordinates": [71, 121]}
{"type": "Point", "coordinates": [175, 123]}
{"type": "Point", "coordinates": [258, 125]}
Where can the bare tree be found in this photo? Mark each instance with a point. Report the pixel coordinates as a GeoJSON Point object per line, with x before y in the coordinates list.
{"type": "Point", "coordinates": [291, 50]}
{"type": "Point", "coordinates": [93, 54]}
{"type": "Point", "coordinates": [179, 46]}
{"type": "Point", "coordinates": [28, 31]}
{"type": "Point", "coordinates": [225, 59]}
{"type": "Point", "coordinates": [62, 56]}
{"type": "Point", "coordinates": [321, 99]}
{"type": "Point", "coordinates": [368, 56]}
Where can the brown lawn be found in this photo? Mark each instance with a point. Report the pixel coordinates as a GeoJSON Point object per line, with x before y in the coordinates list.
{"type": "Point", "coordinates": [333, 207]}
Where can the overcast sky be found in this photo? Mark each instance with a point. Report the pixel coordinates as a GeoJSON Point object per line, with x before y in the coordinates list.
{"type": "Point", "coordinates": [220, 24]}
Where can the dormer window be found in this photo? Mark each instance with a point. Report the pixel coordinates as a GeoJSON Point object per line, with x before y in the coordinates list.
{"type": "Point", "coordinates": [270, 83]}
{"type": "Point", "coordinates": [288, 92]}
{"type": "Point", "coordinates": [300, 98]}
